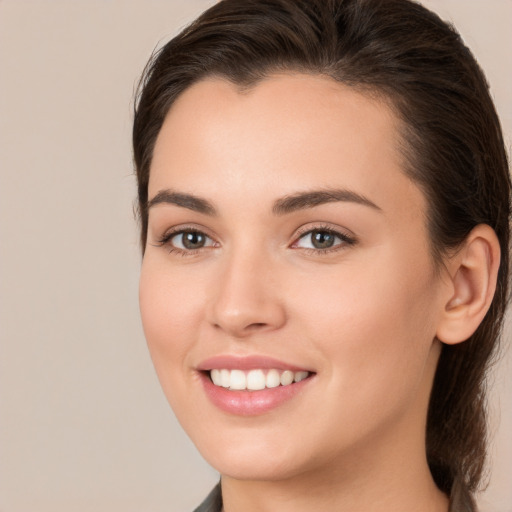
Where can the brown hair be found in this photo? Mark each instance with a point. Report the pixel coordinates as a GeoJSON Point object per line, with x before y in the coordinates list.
{"type": "Point", "coordinates": [452, 143]}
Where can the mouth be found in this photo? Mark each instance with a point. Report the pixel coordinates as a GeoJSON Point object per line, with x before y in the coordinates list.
{"type": "Point", "coordinates": [255, 379]}
{"type": "Point", "coordinates": [252, 385]}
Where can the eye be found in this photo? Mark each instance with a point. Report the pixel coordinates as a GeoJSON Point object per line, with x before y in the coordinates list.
{"type": "Point", "coordinates": [186, 241]}
{"type": "Point", "coordinates": [322, 240]}
{"type": "Point", "coordinates": [190, 240]}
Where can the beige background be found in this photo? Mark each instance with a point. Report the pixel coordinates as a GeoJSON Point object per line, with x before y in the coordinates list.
{"type": "Point", "coordinates": [83, 423]}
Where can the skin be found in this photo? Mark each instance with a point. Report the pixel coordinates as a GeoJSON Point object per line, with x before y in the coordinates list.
{"type": "Point", "coordinates": [363, 316]}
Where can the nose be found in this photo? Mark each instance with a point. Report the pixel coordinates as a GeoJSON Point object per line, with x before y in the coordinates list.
{"type": "Point", "coordinates": [248, 298]}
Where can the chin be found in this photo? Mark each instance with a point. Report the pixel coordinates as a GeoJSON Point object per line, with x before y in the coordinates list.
{"type": "Point", "coordinates": [256, 462]}
{"type": "Point", "coordinates": [261, 470]}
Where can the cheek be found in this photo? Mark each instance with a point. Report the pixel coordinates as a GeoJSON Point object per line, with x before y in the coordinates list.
{"type": "Point", "coordinates": [169, 311]}
{"type": "Point", "coordinates": [376, 326]}
{"type": "Point", "coordinates": [380, 300]}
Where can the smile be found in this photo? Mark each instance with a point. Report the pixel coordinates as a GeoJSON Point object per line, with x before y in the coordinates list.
{"type": "Point", "coordinates": [254, 384]}
{"type": "Point", "coordinates": [256, 379]}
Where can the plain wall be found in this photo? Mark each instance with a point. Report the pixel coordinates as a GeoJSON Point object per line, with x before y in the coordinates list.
{"type": "Point", "coordinates": [84, 425]}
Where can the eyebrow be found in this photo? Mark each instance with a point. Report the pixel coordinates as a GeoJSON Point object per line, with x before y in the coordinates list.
{"type": "Point", "coordinates": [304, 200]}
{"type": "Point", "coordinates": [188, 201]}
{"type": "Point", "coordinates": [283, 206]}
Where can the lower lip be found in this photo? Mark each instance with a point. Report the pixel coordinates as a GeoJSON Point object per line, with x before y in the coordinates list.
{"type": "Point", "coordinates": [251, 403]}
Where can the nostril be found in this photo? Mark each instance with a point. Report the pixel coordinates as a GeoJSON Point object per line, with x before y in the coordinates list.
{"type": "Point", "coordinates": [242, 331]}
{"type": "Point", "coordinates": [256, 325]}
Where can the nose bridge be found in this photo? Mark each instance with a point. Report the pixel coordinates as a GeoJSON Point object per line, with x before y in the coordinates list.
{"type": "Point", "coordinates": [246, 298]}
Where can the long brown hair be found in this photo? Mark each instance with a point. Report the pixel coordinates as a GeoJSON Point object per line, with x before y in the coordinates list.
{"type": "Point", "coordinates": [451, 141]}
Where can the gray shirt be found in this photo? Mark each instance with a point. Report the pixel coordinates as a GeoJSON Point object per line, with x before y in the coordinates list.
{"type": "Point", "coordinates": [213, 503]}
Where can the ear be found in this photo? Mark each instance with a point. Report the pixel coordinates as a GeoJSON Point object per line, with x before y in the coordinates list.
{"type": "Point", "coordinates": [473, 272]}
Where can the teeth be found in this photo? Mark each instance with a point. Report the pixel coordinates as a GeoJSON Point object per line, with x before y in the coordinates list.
{"type": "Point", "coordinates": [238, 380]}
{"type": "Point", "coordinates": [254, 380]}
{"type": "Point", "coordinates": [225, 378]}
{"type": "Point", "coordinates": [216, 378]}
{"type": "Point", "coordinates": [286, 378]}
{"type": "Point", "coordinates": [299, 376]}
{"type": "Point", "coordinates": [273, 379]}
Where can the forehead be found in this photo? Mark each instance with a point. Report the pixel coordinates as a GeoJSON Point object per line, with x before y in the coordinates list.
{"type": "Point", "coordinates": [288, 130]}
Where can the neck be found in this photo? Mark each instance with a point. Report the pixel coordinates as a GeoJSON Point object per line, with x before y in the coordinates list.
{"type": "Point", "coordinates": [373, 480]}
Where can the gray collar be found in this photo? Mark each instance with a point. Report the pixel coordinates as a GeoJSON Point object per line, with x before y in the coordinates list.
{"type": "Point", "coordinates": [213, 502]}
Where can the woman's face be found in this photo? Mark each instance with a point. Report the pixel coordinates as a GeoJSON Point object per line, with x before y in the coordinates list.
{"type": "Point", "coordinates": [285, 242]}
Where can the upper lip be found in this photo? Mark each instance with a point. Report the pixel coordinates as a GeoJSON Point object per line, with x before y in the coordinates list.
{"type": "Point", "coordinates": [253, 362]}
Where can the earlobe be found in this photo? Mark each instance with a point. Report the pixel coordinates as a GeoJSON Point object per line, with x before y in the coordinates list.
{"type": "Point", "coordinates": [473, 273]}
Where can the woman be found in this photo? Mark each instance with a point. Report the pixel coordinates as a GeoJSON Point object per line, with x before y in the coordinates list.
{"type": "Point", "coordinates": [324, 202]}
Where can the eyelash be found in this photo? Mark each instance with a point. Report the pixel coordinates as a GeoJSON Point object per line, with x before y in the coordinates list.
{"type": "Point", "coordinates": [166, 238]}
{"type": "Point", "coordinates": [345, 240]}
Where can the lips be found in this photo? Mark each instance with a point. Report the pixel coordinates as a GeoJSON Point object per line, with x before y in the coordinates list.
{"type": "Point", "coordinates": [251, 385]}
